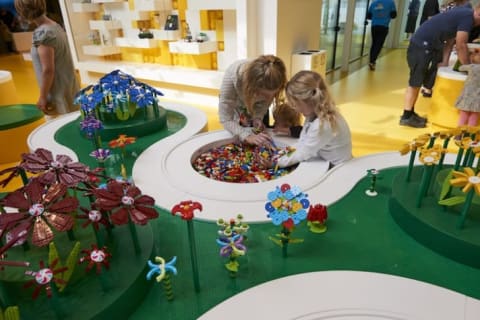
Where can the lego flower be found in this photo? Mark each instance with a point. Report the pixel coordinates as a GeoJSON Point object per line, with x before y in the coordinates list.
{"type": "Point", "coordinates": [60, 169]}
{"type": "Point", "coordinates": [287, 205]}
{"type": "Point", "coordinates": [93, 217]}
{"type": "Point", "coordinates": [101, 154]}
{"type": "Point", "coordinates": [121, 141]}
{"type": "Point", "coordinates": [466, 179]}
{"type": "Point", "coordinates": [160, 268]}
{"type": "Point", "coordinates": [317, 213]}
{"type": "Point", "coordinates": [232, 246]}
{"type": "Point", "coordinates": [43, 278]}
{"type": "Point", "coordinates": [415, 144]}
{"type": "Point", "coordinates": [186, 209]}
{"type": "Point", "coordinates": [96, 257]}
{"type": "Point", "coordinates": [126, 202]}
{"type": "Point", "coordinates": [431, 156]}
{"type": "Point", "coordinates": [90, 125]}
{"type": "Point", "coordinates": [39, 209]}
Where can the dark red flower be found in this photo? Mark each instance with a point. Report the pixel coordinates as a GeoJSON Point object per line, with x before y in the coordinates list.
{"type": "Point", "coordinates": [127, 201]}
{"type": "Point", "coordinates": [317, 213]}
{"type": "Point", "coordinates": [44, 277]}
{"type": "Point", "coordinates": [186, 209]}
{"type": "Point", "coordinates": [62, 169]}
{"type": "Point", "coordinates": [38, 209]}
{"type": "Point", "coordinates": [94, 217]}
{"type": "Point", "coordinates": [96, 257]}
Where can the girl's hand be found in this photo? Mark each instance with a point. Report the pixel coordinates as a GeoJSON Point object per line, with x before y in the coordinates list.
{"type": "Point", "coordinates": [260, 139]}
{"type": "Point", "coordinates": [264, 163]}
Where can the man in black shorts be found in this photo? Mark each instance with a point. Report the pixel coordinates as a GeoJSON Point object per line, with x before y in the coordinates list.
{"type": "Point", "coordinates": [429, 48]}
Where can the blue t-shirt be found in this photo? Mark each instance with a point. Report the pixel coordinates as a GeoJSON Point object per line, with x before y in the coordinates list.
{"type": "Point", "coordinates": [380, 11]}
{"type": "Point", "coordinates": [435, 31]}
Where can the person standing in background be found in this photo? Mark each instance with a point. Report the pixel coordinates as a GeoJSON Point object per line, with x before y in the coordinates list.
{"type": "Point", "coordinates": [380, 13]}
{"type": "Point", "coordinates": [449, 4]}
{"type": "Point", "coordinates": [430, 8]}
{"type": "Point", "coordinates": [429, 48]}
{"type": "Point", "coordinates": [413, 10]}
{"type": "Point", "coordinates": [51, 59]}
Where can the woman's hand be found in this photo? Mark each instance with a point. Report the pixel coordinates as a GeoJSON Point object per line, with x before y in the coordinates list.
{"type": "Point", "coordinates": [42, 104]}
{"type": "Point", "coordinates": [259, 139]}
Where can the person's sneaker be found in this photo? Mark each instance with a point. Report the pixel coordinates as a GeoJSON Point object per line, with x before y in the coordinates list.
{"type": "Point", "coordinates": [413, 121]}
{"type": "Point", "coordinates": [416, 115]}
{"type": "Point", "coordinates": [371, 66]}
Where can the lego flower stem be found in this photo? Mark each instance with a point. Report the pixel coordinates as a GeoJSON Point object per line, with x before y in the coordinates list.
{"type": "Point", "coordinates": [410, 165]}
{"type": "Point", "coordinates": [458, 159]}
{"type": "Point", "coordinates": [466, 207]}
{"type": "Point", "coordinates": [442, 157]}
{"type": "Point", "coordinates": [285, 239]}
{"type": "Point", "coordinates": [193, 254]}
{"type": "Point", "coordinates": [167, 286]}
{"type": "Point", "coordinates": [5, 298]}
{"type": "Point", "coordinates": [24, 177]}
{"type": "Point", "coordinates": [425, 183]}
{"type": "Point", "coordinates": [133, 233]}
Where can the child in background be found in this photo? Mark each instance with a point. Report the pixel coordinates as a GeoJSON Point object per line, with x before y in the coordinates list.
{"type": "Point", "coordinates": [469, 100]}
{"type": "Point", "coordinates": [325, 132]}
{"type": "Point", "coordinates": [288, 121]}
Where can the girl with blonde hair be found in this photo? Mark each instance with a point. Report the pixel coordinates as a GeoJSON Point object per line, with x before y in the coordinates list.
{"type": "Point", "coordinates": [248, 89]}
{"type": "Point", "coordinates": [325, 132]}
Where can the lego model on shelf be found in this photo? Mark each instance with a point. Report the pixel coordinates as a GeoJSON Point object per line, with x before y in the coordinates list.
{"type": "Point", "coordinates": [119, 104]}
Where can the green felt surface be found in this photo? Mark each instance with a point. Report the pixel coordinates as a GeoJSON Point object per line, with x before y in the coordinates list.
{"type": "Point", "coordinates": [16, 115]}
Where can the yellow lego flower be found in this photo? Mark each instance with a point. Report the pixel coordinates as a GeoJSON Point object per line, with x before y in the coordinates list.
{"type": "Point", "coordinates": [466, 179]}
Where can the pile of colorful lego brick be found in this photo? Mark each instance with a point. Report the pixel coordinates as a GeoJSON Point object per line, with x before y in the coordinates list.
{"type": "Point", "coordinates": [240, 163]}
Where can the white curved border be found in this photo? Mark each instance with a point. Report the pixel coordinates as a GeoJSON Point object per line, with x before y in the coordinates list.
{"type": "Point", "coordinates": [346, 295]}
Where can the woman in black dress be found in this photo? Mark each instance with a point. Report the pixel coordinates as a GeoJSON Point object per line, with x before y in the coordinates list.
{"type": "Point", "coordinates": [413, 9]}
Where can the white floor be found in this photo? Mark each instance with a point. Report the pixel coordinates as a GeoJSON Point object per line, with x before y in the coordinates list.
{"type": "Point", "coordinates": [164, 172]}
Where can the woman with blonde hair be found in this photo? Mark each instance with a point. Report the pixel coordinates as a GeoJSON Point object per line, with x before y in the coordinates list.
{"type": "Point", "coordinates": [325, 132]}
{"type": "Point", "coordinates": [51, 59]}
{"type": "Point", "coordinates": [248, 89]}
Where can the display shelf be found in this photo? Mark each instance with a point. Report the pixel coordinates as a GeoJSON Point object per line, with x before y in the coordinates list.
{"type": "Point", "coordinates": [211, 5]}
{"type": "Point", "coordinates": [107, 1]}
{"type": "Point", "coordinates": [153, 5]}
{"type": "Point", "coordinates": [105, 24]}
{"type": "Point", "coordinates": [136, 42]}
{"type": "Point", "coordinates": [208, 79]}
{"type": "Point", "coordinates": [98, 50]}
{"type": "Point", "coordinates": [85, 7]}
{"type": "Point", "coordinates": [166, 34]}
{"type": "Point", "coordinates": [192, 47]}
